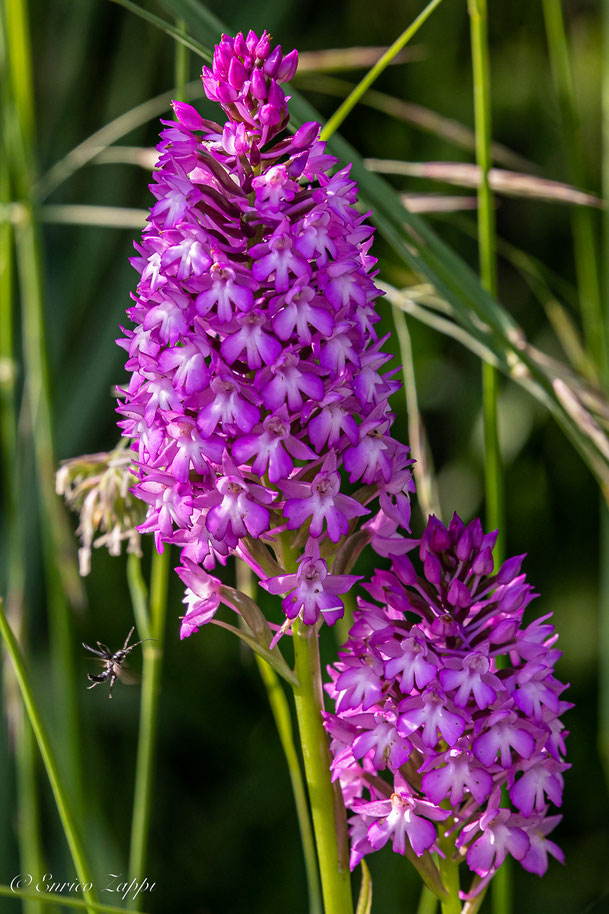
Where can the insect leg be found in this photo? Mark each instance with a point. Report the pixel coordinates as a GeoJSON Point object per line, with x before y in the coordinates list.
{"type": "Point", "coordinates": [93, 650]}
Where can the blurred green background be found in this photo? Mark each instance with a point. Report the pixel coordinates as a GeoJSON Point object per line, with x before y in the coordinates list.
{"type": "Point", "coordinates": [224, 834]}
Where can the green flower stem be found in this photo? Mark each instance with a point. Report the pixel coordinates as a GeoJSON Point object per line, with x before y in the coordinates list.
{"type": "Point", "coordinates": [329, 818]}
{"type": "Point", "coordinates": [29, 896]}
{"type": "Point", "coordinates": [449, 871]}
{"type": "Point", "coordinates": [450, 877]}
{"type": "Point", "coordinates": [149, 707]}
{"type": "Point", "coordinates": [353, 98]}
{"type": "Point", "coordinates": [64, 808]}
{"type": "Point", "coordinates": [139, 596]}
{"type": "Point", "coordinates": [283, 721]}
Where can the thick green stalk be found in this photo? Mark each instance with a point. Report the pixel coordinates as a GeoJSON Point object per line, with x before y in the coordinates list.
{"type": "Point", "coordinates": [327, 808]}
{"type": "Point", "coordinates": [149, 710]}
{"type": "Point", "coordinates": [449, 871]}
{"type": "Point", "coordinates": [353, 98]}
{"type": "Point", "coordinates": [283, 721]}
{"type": "Point", "coordinates": [60, 793]}
{"type": "Point", "coordinates": [494, 489]}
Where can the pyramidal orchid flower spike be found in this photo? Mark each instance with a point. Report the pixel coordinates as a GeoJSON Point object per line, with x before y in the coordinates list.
{"type": "Point", "coordinates": [436, 745]}
{"type": "Point", "coordinates": [257, 387]}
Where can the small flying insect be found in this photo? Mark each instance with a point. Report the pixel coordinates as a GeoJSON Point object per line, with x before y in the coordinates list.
{"type": "Point", "coordinates": [113, 661]}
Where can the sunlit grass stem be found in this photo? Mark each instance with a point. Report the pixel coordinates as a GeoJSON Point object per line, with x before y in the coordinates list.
{"type": "Point", "coordinates": [427, 491]}
{"type": "Point", "coordinates": [356, 94]}
{"type": "Point", "coordinates": [64, 806]}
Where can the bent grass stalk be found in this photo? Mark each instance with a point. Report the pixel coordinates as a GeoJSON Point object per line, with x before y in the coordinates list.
{"type": "Point", "coordinates": [356, 94]}
{"type": "Point", "coordinates": [33, 896]}
{"type": "Point", "coordinates": [64, 806]}
{"type": "Point", "coordinates": [427, 489]}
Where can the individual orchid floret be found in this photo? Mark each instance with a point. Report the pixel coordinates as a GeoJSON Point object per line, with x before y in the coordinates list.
{"type": "Point", "coordinates": [312, 589]}
{"type": "Point", "coordinates": [441, 699]}
{"type": "Point", "coordinates": [254, 343]}
{"type": "Point", "coordinates": [202, 597]}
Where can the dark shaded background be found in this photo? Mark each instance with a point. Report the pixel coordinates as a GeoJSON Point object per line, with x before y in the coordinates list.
{"type": "Point", "coordinates": [224, 837]}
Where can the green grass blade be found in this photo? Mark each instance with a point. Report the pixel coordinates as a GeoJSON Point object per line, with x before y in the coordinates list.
{"type": "Point", "coordinates": [64, 806]}
{"type": "Point", "coordinates": [92, 906]}
{"type": "Point", "coordinates": [427, 493]}
{"type": "Point", "coordinates": [364, 902]}
{"type": "Point", "coordinates": [353, 98]}
{"type": "Point", "coordinates": [583, 225]}
{"type": "Point", "coordinates": [419, 117]}
{"type": "Point", "coordinates": [175, 32]}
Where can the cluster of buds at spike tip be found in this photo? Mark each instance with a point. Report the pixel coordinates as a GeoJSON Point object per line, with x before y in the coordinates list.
{"type": "Point", "coordinates": [434, 739]}
{"type": "Point", "coordinates": [97, 487]}
{"type": "Point", "coordinates": [257, 386]}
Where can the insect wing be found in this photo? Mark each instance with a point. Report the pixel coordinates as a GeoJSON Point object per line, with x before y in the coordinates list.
{"type": "Point", "coordinates": [126, 676]}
